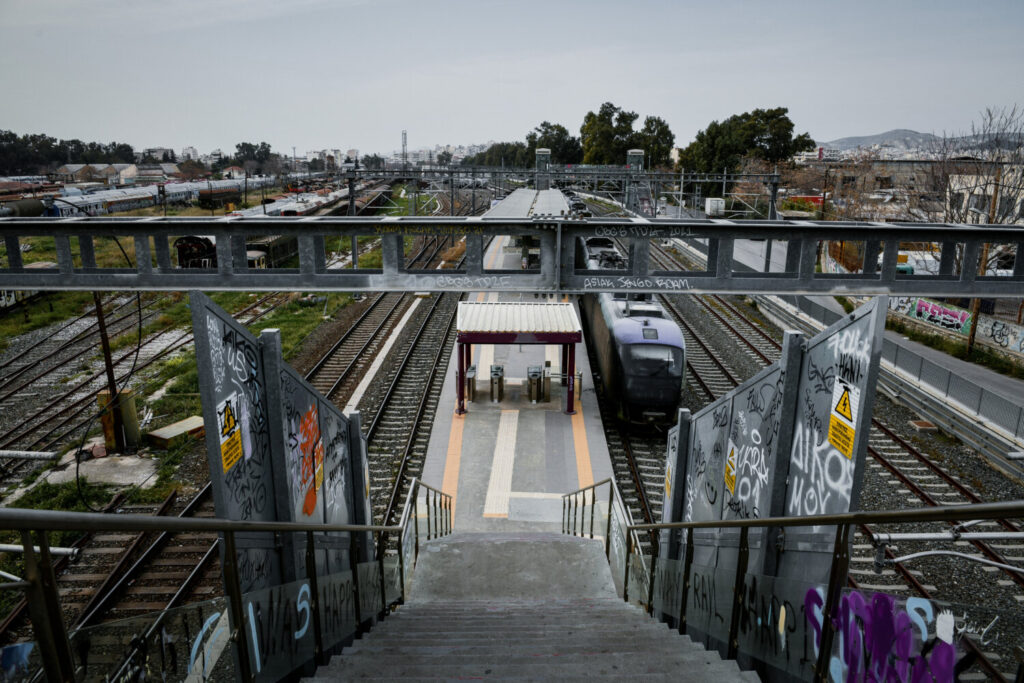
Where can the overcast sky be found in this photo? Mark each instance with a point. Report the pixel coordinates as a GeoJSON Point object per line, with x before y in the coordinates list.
{"type": "Point", "coordinates": [347, 73]}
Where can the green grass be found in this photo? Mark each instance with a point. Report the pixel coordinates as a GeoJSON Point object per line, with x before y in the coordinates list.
{"type": "Point", "coordinates": [47, 309]}
{"type": "Point", "coordinates": [846, 304]}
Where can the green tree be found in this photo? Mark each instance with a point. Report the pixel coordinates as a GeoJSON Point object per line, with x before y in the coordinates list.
{"type": "Point", "coordinates": [765, 134]}
{"type": "Point", "coordinates": [444, 158]}
{"type": "Point", "coordinates": [565, 149]}
{"type": "Point", "coordinates": [606, 135]}
{"type": "Point", "coordinates": [656, 139]}
{"type": "Point", "coordinates": [509, 154]}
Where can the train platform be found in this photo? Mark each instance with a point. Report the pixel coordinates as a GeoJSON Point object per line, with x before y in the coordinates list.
{"type": "Point", "coordinates": [506, 464]}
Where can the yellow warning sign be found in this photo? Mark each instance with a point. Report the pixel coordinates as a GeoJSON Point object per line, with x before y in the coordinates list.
{"type": "Point", "coordinates": [231, 450]}
{"type": "Point", "coordinates": [730, 471]}
{"type": "Point", "coordinates": [668, 482]}
{"type": "Point", "coordinates": [843, 407]}
{"type": "Point", "coordinates": [230, 434]}
{"type": "Point", "coordinates": [840, 435]}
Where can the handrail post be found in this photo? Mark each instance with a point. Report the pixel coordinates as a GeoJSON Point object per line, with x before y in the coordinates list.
{"type": "Point", "coordinates": [737, 594]}
{"type": "Point", "coordinates": [353, 561]}
{"type": "Point", "coordinates": [840, 564]}
{"type": "Point", "coordinates": [451, 514]}
{"type": "Point", "coordinates": [625, 577]}
{"type": "Point", "coordinates": [383, 580]}
{"type": "Point", "coordinates": [44, 610]}
{"type": "Point", "coordinates": [565, 528]}
{"type": "Point", "coordinates": [234, 590]}
{"type": "Point", "coordinates": [593, 504]}
{"type": "Point", "coordinates": [429, 511]}
{"type": "Point", "coordinates": [655, 551]}
{"type": "Point", "coordinates": [314, 587]}
{"type": "Point", "coordinates": [401, 564]}
{"type": "Point", "coordinates": [575, 513]}
{"type": "Point", "coordinates": [608, 523]}
{"type": "Point", "coordinates": [416, 518]}
{"type": "Point", "coordinates": [687, 562]}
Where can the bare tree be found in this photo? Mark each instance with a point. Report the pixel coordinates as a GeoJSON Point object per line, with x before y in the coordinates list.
{"type": "Point", "coordinates": [982, 172]}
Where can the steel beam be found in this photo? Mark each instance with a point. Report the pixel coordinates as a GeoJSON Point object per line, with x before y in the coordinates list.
{"type": "Point", "coordinates": [558, 239]}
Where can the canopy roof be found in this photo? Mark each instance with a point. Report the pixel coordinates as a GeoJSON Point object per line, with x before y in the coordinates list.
{"type": "Point", "coordinates": [508, 322]}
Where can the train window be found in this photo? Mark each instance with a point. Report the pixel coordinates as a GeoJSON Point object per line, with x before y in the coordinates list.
{"type": "Point", "coordinates": [655, 359]}
{"type": "Point", "coordinates": [650, 333]}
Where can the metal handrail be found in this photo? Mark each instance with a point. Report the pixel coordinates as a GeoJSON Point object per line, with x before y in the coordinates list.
{"type": "Point", "coordinates": [570, 505]}
{"type": "Point", "coordinates": [944, 513]}
{"type": "Point", "coordinates": [41, 590]}
{"type": "Point", "coordinates": [840, 553]}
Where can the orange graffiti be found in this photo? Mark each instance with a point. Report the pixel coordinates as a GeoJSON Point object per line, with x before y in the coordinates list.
{"type": "Point", "coordinates": [311, 457]}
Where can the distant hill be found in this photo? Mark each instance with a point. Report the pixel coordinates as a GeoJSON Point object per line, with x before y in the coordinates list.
{"type": "Point", "coordinates": [900, 138]}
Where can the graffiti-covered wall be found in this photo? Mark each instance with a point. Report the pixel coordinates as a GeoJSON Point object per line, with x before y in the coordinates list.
{"type": "Point", "coordinates": [790, 441]}
{"type": "Point", "coordinates": [997, 334]}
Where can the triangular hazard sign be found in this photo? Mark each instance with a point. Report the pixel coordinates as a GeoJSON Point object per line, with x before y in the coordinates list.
{"type": "Point", "coordinates": [843, 407]}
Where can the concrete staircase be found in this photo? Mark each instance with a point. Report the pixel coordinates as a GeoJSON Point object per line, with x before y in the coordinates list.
{"type": "Point", "coordinates": [523, 607]}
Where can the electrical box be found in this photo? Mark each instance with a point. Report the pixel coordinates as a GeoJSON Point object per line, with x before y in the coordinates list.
{"type": "Point", "coordinates": [714, 206]}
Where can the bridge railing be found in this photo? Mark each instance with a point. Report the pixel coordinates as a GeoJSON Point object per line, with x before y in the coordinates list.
{"type": "Point", "coordinates": [150, 261]}
{"type": "Point", "coordinates": [266, 633]}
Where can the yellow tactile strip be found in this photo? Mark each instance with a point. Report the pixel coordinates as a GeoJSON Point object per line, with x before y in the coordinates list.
{"type": "Point", "coordinates": [499, 487]}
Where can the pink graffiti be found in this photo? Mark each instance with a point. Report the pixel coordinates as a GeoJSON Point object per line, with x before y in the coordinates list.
{"type": "Point", "coordinates": [936, 313]}
{"type": "Point", "coordinates": [882, 639]}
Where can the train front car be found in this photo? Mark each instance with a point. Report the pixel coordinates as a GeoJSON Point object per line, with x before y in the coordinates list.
{"type": "Point", "coordinates": [651, 355]}
{"type": "Point", "coordinates": [641, 355]}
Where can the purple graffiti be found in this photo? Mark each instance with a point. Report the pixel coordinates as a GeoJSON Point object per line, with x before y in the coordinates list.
{"type": "Point", "coordinates": [884, 638]}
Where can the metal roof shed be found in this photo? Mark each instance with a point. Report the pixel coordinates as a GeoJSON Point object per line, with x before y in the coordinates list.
{"type": "Point", "coordinates": [507, 322]}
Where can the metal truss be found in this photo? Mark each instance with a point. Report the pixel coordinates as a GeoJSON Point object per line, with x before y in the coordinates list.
{"type": "Point", "coordinates": [150, 240]}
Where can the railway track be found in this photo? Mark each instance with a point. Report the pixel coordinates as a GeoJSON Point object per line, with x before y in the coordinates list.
{"type": "Point", "coordinates": [60, 418]}
{"type": "Point", "coordinates": [398, 434]}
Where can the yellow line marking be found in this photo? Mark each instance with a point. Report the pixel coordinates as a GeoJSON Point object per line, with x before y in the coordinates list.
{"type": "Point", "coordinates": [500, 483]}
{"type": "Point", "coordinates": [450, 482]}
{"type": "Point", "coordinates": [496, 515]}
{"type": "Point", "coordinates": [584, 472]}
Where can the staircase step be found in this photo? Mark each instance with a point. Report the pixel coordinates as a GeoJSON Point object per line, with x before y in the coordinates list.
{"type": "Point", "coordinates": [536, 647]}
{"type": "Point", "coordinates": [639, 664]}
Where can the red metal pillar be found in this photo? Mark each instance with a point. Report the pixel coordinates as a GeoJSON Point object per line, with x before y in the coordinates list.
{"type": "Point", "coordinates": [564, 365]}
{"type": "Point", "coordinates": [570, 383]}
{"type": "Point", "coordinates": [460, 374]}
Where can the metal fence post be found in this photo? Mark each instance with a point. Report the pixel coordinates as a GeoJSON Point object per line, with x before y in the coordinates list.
{"type": "Point", "coordinates": [426, 500]}
{"type": "Point", "coordinates": [655, 549]}
{"type": "Point", "coordinates": [575, 512]}
{"type": "Point", "coordinates": [593, 504]}
{"type": "Point", "coordinates": [353, 560]}
{"type": "Point", "coordinates": [44, 611]}
{"type": "Point", "coordinates": [314, 586]}
{"type": "Point", "coordinates": [565, 527]}
{"type": "Point", "coordinates": [416, 516]}
{"type": "Point", "coordinates": [608, 524]}
{"type": "Point", "coordinates": [687, 562]}
{"type": "Point", "coordinates": [234, 590]}
{"type": "Point", "coordinates": [737, 594]}
{"type": "Point", "coordinates": [840, 565]}
{"type": "Point", "coordinates": [625, 577]}
{"type": "Point", "coordinates": [383, 581]}
{"type": "Point", "coordinates": [401, 565]}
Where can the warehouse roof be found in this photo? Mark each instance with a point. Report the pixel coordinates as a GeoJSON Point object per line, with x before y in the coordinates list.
{"type": "Point", "coordinates": [513, 322]}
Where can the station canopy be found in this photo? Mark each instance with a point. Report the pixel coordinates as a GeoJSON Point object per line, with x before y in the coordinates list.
{"type": "Point", "coordinates": [514, 322]}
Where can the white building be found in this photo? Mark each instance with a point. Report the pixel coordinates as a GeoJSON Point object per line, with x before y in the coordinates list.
{"type": "Point", "coordinates": [188, 153]}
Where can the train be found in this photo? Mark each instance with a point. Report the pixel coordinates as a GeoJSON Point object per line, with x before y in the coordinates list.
{"type": "Point", "coordinates": [210, 192]}
{"type": "Point", "coordinates": [641, 353]}
{"type": "Point", "coordinates": [268, 251]}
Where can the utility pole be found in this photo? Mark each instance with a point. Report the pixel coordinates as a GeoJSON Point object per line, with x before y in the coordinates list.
{"type": "Point", "coordinates": [114, 404]}
{"type": "Point", "coordinates": [983, 266]}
